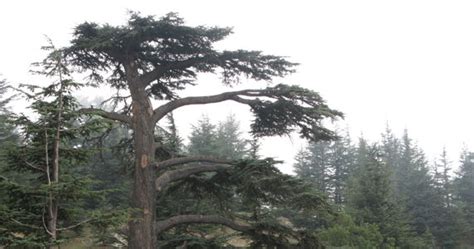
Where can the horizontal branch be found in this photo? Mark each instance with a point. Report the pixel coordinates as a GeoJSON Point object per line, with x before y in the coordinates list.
{"type": "Point", "coordinates": [25, 225]}
{"type": "Point", "coordinates": [169, 223]}
{"type": "Point", "coordinates": [108, 115]}
{"type": "Point", "coordinates": [161, 111]}
{"type": "Point", "coordinates": [173, 175]}
{"type": "Point", "coordinates": [189, 159]}
{"type": "Point", "coordinates": [75, 225]}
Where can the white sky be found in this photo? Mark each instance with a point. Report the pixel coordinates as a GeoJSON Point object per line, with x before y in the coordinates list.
{"type": "Point", "coordinates": [406, 62]}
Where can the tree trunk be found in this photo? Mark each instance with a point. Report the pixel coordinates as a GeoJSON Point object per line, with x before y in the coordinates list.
{"type": "Point", "coordinates": [142, 226]}
{"type": "Point", "coordinates": [52, 223]}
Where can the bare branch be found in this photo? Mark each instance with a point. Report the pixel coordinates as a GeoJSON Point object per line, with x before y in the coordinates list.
{"type": "Point", "coordinates": [25, 225]}
{"type": "Point", "coordinates": [173, 175]}
{"type": "Point", "coordinates": [169, 223]}
{"type": "Point", "coordinates": [33, 166]}
{"type": "Point", "coordinates": [44, 224]}
{"type": "Point", "coordinates": [161, 111]}
{"type": "Point", "coordinates": [75, 225]}
{"type": "Point", "coordinates": [109, 115]}
{"type": "Point", "coordinates": [189, 159]}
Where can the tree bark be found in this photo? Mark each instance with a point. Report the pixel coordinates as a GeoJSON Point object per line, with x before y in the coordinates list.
{"type": "Point", "coordinates": [142, 225]}
{"type": "Point", "coordinates": [52, 221]}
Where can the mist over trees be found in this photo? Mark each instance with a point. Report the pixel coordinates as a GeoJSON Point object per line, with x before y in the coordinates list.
{"type": "Point", "coordinates": [119, 174]}
{"type": "Point", "coordinates": [391, 184]}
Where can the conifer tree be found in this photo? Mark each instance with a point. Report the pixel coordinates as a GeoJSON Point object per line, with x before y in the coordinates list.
{"type": "Point", "coordinates": [370, 198]}
{"type": "Point", "coordinates": [343, 160]}
{"type": "Point", "coordinates": [327, 164]}
{"type": "Point", "coordinates": [230, 143]}
{"type": "Point", "coordinates": [223, 140]}
{"type": "Point", "coordinates": [154, 59]}
{"type": "Point", "coordinates": [42, 195]}
{"type": "Point", "coordinates": [442, 178]}
{"type": "Point", "coordinates": [445, 217]}
{"type": "Point", "coordinates": [464, 194]}
{"type": "Point", "coordinates": [313, 165]}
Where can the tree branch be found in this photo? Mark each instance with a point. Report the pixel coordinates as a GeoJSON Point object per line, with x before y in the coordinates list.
{"type": "Point", "coordinates": [25, 225]}
{"type": "Point", "coordinates": [33, 166]}
{"type": "Point", "coordinates": [44, 224]}
{"type": "Point", "coordinates": [173, 175]}
{"type": "Point", "coordinates": [75, 225]}
{"type": "Point", "coordinates": [159, 72]}
{"type": "Point", "coordinates": [189, 159]}
{"type": "Point", "coordinates": [161, 111]}
{"type": "Point", "coordinates": [169, 223]}
{"type": "Point", "coordinates": [109, 115]}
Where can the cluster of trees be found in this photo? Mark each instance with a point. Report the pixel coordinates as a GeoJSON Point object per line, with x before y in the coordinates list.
{"type": "Point", "coordinates": [61, 163]}
{"type": "Point", "coordinates": [121, 173]}
{"type": "Point", "coordinates": [391, 184]}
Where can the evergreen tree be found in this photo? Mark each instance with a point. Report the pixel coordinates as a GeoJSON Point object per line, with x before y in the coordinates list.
{"type": "Point", "coordinates": [416, 177]}
{"type": "Point", "coordinates": [313, 165]}
{"type": "Point", "coordinates": [391, 148]}
{"type": "Point", "coordinates": [155, 59]}
{"type": "Point", "coordinates": [343, 160]}
{"type": "Point", "coordinates": [203, 139]}
{"type": "Point", "coordinates": [464, 193]}
{"type": "Point", "coordinates": [223, 140]}
{"type": "Point", "coordinates": [43, 197]}
{"type": "Point", "coordinates": [7, 134]}
{"type": "Point", "coordinates": [442, 179]}
{"type": "Point", "coordinates": [327, 164]}
{"type": "Point", "coordinates": [370, 199]}
{"type": "Point", "coordinates": [229, 141]}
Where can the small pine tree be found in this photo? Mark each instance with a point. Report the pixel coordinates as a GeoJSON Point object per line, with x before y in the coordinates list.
{"type": "Point", "coordinates": [464, 194]}
{"type": "Point", "coordinates": [370, 199]}
{"type": "Point", "coordinates": [43, 194]}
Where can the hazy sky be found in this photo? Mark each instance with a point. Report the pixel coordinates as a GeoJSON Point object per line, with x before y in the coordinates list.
{"type": "Point", "coordinates": [408, 63]}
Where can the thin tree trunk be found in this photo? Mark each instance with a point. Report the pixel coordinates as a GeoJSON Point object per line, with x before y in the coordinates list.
{"type": "Point", "coordinates": [52, 221]}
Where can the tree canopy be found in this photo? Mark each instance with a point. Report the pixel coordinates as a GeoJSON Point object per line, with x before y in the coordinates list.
{"type": "Point", "coordinates": [154, 59]}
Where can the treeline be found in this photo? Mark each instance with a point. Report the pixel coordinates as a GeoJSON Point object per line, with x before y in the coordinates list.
{"type": "Point", "coordinates": [119, 175]}
{"type": "Point", "coordinates": [391, 184]}
{"type": "Point", "coordinates": [384, 195]}
{"type": "Point", "coordinates": [371, 195]}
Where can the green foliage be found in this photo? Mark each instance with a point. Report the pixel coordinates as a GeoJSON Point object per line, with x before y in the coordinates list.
{"type": "Point", "coordinates": [327, 165]}
{"type": "Point", "coordinates": [343, 232]}
{"type": "Point", "coordinates": [281, 210]}
{"type": "Point", "coordinates": [294, 107]}
{"type": "Point", "coordinates": [464, 194]}
{"type": "Point", "coordinates": [370, 199]}
{"type": "Point", "coordinates": [28, 184]}
{"type": "Point", "coordinates": [161, 43]}
{"type": "Point", "coordinates": [221, 141]}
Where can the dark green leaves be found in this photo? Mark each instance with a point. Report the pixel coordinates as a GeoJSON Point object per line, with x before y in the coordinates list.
{"type": "Point", "coordinates": [293, 107]}
{"type": "Point", "coordinates": [166, 54]}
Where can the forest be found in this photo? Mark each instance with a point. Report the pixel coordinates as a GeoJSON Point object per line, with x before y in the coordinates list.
{"type": "Point", "coordinates": [119, 174]}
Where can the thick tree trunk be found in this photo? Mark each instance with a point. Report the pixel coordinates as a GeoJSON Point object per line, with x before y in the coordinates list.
{"type": "Point", "coordinates": [142, 226]}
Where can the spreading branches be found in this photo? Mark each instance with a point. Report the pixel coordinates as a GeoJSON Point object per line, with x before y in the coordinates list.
{"type": "Point", "coordinates": [200, 219]}
{"type": "Point", "coordinates": [173, 175]}
{"type": "Point", "coordinates": [108, 115]}
{"type": "Point", "coordinates": [161, 111]}
{"type": "Point", "coordinates": [167, 55]}
{"type": "Point", "coordinates": [278, 110]}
